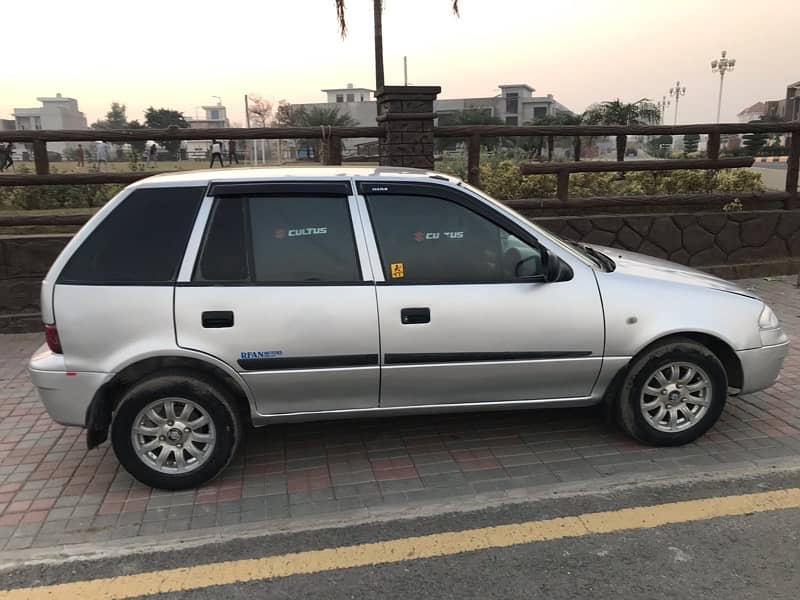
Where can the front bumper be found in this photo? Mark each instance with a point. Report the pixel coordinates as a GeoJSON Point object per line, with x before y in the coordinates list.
{"type": "Point", "coordinates": [65, 394]}
{"type": "Point", "coordinates": [761, 366]}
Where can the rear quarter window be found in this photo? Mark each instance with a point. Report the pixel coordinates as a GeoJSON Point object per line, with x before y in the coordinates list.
{"type": "Point", "coordinates": [141, 242]}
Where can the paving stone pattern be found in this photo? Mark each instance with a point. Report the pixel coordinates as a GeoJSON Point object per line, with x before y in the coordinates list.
{"type": "Point", "coordinates": [54, 492]}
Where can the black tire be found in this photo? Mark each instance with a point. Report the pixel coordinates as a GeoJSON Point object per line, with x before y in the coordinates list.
{"type": "Point", "coordinates": [629, 413]}
{"type": "Point", "coordinates": [212, 397]}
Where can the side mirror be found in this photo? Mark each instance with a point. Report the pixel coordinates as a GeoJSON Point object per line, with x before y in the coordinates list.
{"type": "Point", "coordinates": [551, 265]}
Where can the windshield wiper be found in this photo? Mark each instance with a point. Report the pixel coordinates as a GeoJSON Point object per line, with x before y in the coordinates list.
{"type": "Point", "coordinates": [603, 260]}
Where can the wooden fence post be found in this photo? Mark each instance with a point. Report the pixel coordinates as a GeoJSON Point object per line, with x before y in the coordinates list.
{"type": "Point", "coordinates": [332, 151]}
{"type": "Point", "coordinates": [562, 191]}
{"type": "Point", "coordinates": [474, 160]}
{"type": "Point", "coordinates": [793, 163]}
{"type": "Point", "coordinates": [40, 159]}
{"type": "Point", "coordinates": [712, 149]}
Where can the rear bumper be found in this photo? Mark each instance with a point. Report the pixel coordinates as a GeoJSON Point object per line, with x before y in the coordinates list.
{"type": "Point", "coordinates": [761, 366]}
{"type": "Point", "coordinates": [65, 394]}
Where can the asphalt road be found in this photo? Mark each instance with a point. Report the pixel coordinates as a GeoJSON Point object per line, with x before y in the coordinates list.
{"type": "Point", "coordinates": [753, 554]}
{"type": "Point", "coordinates": [772, 174]}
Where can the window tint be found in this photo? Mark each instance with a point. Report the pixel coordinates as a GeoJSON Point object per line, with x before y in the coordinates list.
{"type": "Point", "coordinates": [224, 254]}
{"type": "Point", "coordinates": [286, 240]}
{"type": "Point", "coordinates": [426, 239]}
{"type": "Point", "coordinates": [303, 239]}
{"type": "Point", "coordinates": [141, 241]}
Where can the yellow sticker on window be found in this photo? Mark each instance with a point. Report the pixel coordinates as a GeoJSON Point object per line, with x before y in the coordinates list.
{"type": "Point", "coordinates": [397, 270]}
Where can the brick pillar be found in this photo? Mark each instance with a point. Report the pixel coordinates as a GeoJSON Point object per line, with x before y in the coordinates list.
{"type": "Point", "coordinates": [407, 114]}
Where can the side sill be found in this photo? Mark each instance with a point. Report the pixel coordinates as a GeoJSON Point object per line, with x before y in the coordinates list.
{"type": "Point", "coordinates": [355, 413]}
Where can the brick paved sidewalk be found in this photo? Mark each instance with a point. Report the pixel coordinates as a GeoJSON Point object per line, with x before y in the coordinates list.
{"type": "Point", "coordinates": [53, 491]}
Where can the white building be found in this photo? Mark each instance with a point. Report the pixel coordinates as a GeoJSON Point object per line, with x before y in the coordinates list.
{"type": "Point", "coordinates": [55, 113]}
{"type": "Point", "coordinates": [215, 117]}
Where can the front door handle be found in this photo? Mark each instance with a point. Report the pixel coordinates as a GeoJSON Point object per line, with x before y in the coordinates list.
{"type": "Point", "coordinates": [217, 319]}
{"type": "Point", "coordinates": [412, 316]}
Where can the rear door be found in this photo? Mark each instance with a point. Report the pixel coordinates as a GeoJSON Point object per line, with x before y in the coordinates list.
{"type": "Point", "coordinates": [279, 291]}
{"type": "Point", "coordinates": [465, 314]}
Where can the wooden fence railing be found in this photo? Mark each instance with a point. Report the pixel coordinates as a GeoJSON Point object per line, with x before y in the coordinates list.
{"type": "Point", "coordinates": [473, 135]}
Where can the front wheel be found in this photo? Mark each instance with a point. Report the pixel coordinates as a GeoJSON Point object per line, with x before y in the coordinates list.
{"type": "Point", "coordinates": [673, 394]}
{"type": "Point", "coordinates": [175, 430]}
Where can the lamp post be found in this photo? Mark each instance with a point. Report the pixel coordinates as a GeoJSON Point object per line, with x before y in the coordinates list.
{"type": "Point", "coordinates": [676, 92]}
{"type": "Point", "coordinates": [662, 106]}
{"type": "Point", "coordinates": [722, 66]}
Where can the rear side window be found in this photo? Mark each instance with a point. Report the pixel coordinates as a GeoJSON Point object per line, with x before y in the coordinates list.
{"type": "Point", "coordinates": [270, 239]}
{"type": "Point", "coordinates": [141, 242]}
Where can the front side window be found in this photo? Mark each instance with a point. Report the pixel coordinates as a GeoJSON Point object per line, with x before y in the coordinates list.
{"type": "Point", "coordinates": [424, 239]}
{"type": "Point", "coordinates": [141, 242]}
{"type": "Point", "coordinates": [268, 239]}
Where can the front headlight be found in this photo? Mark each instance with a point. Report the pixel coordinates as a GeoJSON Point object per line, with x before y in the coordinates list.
{"type": "Point", "coordinates": [768, 319]}
{"type": "Point", "coordinates": [770, 328]}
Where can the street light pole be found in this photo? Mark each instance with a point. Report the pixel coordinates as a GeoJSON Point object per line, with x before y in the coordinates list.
{"type": "Point", "coordinates": [676, 93]}
{"type": "Point", "coordinates": [722, 66]}
{"type": "Point", "coordinates": [662, 106]}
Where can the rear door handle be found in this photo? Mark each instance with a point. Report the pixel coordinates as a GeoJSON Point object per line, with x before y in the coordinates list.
{"type": "Point", "coordinates": [412, 316]}
{"type": "Point", "coordinates": [217, 319]}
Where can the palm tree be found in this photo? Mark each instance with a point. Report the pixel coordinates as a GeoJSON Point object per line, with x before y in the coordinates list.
{"type": "Point", "coordinates": [318, 116]}
{"type": "Point", "coordinates": [616, 112]}
{"type": "Point", "coordinates": [377, 6]}
{"type": "Point", "coordinates": [321, 116]}
{"type": "Point", "coordinates": [562, 118]}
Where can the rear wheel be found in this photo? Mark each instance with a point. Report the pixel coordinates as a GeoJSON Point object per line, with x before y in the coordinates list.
{"type": "Point", "coordinates": [175, 430]}
{"type": "Point", "coordinates": [673, 394]}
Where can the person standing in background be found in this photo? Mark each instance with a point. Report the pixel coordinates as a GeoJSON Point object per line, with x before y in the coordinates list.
{"type": "Point", "coordinates": [152, 154]}
{"type": "Point", "coordinates": [7, 157]}
{"type": "Point", "coordinates": [80, 155]}
{"type": "Point", "coordinates": [232, 152]}
{"type": "Point", "coordinates": [101, 154]}
{"type": "Point", "coordinates": [216, 153]}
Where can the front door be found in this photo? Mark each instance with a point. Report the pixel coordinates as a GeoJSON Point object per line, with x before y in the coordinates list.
{"type": "Point", "coordinates": [279, 293]}
{"type": "Point", "coordinates": [465, 315]}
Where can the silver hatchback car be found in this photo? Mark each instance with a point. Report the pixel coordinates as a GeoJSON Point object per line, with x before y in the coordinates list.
{"type": "Point", "coordinates": [194, 304]}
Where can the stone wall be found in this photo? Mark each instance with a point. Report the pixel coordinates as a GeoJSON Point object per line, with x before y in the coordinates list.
{"type": "Point", "coordinates": [731, 245]}
{"type": "Point", "coordinates": [736, 244]}
{"type": "Point", "coordinates": [24, 262]}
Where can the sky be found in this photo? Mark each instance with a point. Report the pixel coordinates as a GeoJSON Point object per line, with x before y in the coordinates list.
{"type": "Point", "coordinates": [179, 54]}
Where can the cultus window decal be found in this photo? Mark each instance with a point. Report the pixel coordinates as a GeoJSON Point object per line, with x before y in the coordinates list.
{"type": "Point", "coordinates": [436, 235]}
{"type": "Point", "coordinates": [284, 233]}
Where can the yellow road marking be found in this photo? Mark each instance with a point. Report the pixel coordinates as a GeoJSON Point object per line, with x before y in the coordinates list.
{"type": "Point", "coordinates": [426, 546]}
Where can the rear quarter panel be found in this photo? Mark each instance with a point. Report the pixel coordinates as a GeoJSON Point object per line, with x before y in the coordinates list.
{"type": "Point", "coordinates": [104, 327]}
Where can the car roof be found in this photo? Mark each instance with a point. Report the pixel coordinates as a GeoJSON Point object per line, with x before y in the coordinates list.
{"type": "Point", "coordinates": [299, 173]}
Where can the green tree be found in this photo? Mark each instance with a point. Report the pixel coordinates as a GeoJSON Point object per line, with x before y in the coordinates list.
{"type": "Point", "coordinates": [659, 146]}
{"type": "Point", "coordinates": [377, 9]}
{"type": "Point", "coordinates": [138, 145]}
{"type": "Point", "coordinates": [322, 116]}
{"type": "Point", "coordinates": [690, 142]}
{"type": "Point", "coordinates": [469, 116]}
{"type": "Point", "coordinates": [617, 112]}
{"type": "Point", "coordinates": [116, 118]}
{"type": "Point", "coordinates": [561, 118]}
{"type": "Point", "coordinates": [161, 118]}
{"type": "Point", "coordinates": [753, 143]}
{"type": "Point", "coordinates": [328, 116]}
{"type": "Point", "coordinates": [289, 115]}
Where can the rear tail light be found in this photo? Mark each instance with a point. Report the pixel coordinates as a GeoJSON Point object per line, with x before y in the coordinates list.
{"type": "Point", "coordinates": [51, 337]}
